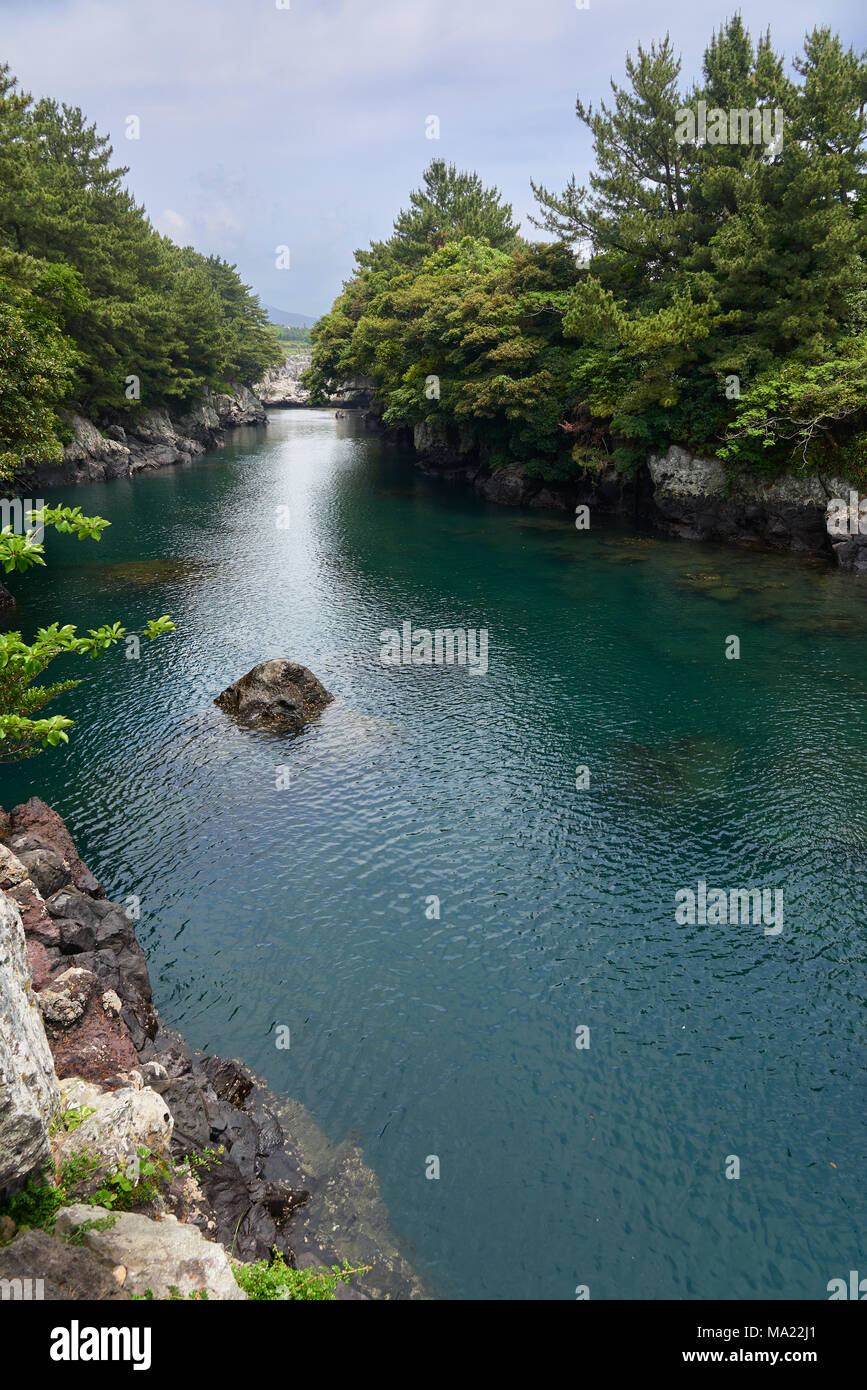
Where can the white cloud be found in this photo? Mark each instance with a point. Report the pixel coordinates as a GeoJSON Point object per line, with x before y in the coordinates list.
{"type": "Point", "coordinates": [306, 126]}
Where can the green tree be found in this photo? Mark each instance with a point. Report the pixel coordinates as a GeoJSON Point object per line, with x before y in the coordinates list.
{"type": "Point", "coordinates": [21, 663]}
{"type": "Point", "coordinates": [178, 321]}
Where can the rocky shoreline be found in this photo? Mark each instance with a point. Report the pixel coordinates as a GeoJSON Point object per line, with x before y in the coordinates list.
{"type": "Point", "coordinates": [79, 1027]}
{"type": "Point", "coordinates": [118, 447]}
{"type": "Point", "coordinates": [676, 493]}
{"type": "Point", "coordinates": [155, 440]}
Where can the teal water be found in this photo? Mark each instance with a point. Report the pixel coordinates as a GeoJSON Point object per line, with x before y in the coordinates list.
{"type": "Point", "coordinates": [305, 905]}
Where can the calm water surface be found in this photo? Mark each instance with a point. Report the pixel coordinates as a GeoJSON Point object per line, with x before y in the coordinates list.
{"type": "Point", "coordinates": [306, 906]}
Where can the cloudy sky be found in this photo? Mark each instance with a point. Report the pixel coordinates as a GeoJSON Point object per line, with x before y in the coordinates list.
{"type": "Point", "coordinates": [305, 126]}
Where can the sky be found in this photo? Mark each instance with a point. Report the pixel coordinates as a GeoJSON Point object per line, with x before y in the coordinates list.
{"type": "Point", "coordinates": [304, 124]}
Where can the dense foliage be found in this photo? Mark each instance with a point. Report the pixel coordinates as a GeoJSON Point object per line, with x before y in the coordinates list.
{"type": "Point", "coordinates": [92, 296]}
{"type": "Point", "coordinates": [709, 294]}
{"type": "Point", "coordinates": [286, 333]}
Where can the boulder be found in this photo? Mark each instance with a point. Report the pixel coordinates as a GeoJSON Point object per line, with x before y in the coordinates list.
{"type": "Point", "coordinates": [508, 486]}
{"type": "Point", "coordinates": [157, 1255]}
{"type": "Point", "coordinates": [122, 1122]}
{"type": "Point", "coordinates": [90, 924]}
{"type": "Point", "coordinates": [29, 1093]}
{"type": "Point", "coordinates": [65, 1271]}
{"type": "Point", "coordinates": [45, 866]}
{"type": "Point", "coordinates": [12, 871]}
{"type": "Point", "coordinates": [276, 694]}
{"type": "Point", "coordinates": [48, 830]}
{"type": "Point", "coordinates": [65, 1003]}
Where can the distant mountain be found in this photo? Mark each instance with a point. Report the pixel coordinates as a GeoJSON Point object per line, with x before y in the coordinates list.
{"type": "Point", "coordinates": [288, 320]}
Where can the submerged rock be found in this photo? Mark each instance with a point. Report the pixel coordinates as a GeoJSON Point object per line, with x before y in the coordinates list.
{"type": "Point", "coordinates": [275, 694]}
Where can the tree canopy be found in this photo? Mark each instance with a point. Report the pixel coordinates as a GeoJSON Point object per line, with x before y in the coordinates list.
{"type": "Point", "coordinates": [91, 294]}
{"type": "Point", "coordinates": [707, 291]}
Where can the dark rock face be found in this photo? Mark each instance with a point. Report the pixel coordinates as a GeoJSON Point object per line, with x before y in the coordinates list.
{"type": "Point", "coordinates": [277, 694]}
{"type": "Point", "coordinates": [92, 986]}
{"type": "Point", "coordinates": [249, 1193]}
{"type": "Point", "coordinates": [684, 496]}
{"type": "Point", "coordinates": [46, 830]}
{"type": "Point", "coordinates": [47, 869]}
{"type": "Point", "coordinates": [852, 554]}
{"type": "Point", "coordinates": [7, 602]}
{"type": "Point", "coordinates": [743, 522]}
{"type": "Point", "coordinates": [67, 1271]}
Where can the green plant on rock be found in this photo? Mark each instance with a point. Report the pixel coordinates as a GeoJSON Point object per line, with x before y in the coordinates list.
{"type": "Point", "coordinates": [136, 1186]}
{"type": "Point", "coordinates": [273, 1280]}
{"type": "Point", "coordinates": [40, 1199]}
{"type": "Point", "coordinates": [44, 1193]}
{"type": "Point", "coordinates": [76, 1237]}
{"type": "Point", "coordinates": [69, 1120]}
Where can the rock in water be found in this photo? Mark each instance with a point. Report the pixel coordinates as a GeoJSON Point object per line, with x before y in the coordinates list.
{"type": "Point", "coordinates": [276, 694]}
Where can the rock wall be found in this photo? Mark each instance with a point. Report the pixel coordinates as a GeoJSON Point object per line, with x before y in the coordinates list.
{"type": "Point", "coordinates": [696, 499]}
{"type": "Point", "coordinates": [78, 1029]}
{"type": "Point", "coordinates": [449, 455]}
{"type": "Point", "coordinates": [281, 386]}
{"type": "Point", "coordinates": [29, 1093]}
{"type": "Point", "coordinates": [677, 492]}
{"type": "Point", "coordinates": [120, 448]}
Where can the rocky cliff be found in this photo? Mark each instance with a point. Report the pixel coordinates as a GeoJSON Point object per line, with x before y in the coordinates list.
{"type": "Point", "coordinates": [281, 386]}
{"type": "Point", "coordinates": [676, 492]}
{"type": "Point", "coordinates": [154, 439]}
{"type": "Point", "coordinates": [697, 499]}
{"type": "Point", "coordinates": [80, 1037]}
